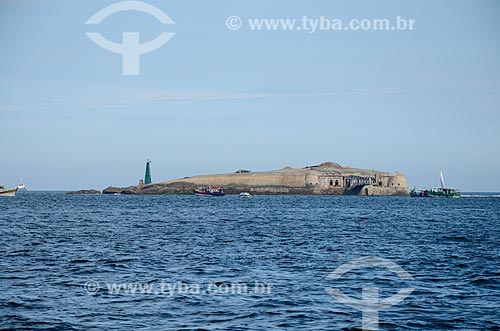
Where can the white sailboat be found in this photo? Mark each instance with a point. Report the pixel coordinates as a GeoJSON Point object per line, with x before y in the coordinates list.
{"type": "Point", "coordinates": [440, 192]}
{"type": "Point", "coordinates": [443, 191]}
{"type": "Point", "coordinates": [22, 185]}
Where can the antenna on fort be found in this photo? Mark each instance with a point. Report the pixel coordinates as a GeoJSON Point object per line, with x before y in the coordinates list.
{"type": "Point", "coordinates": [147, 175]}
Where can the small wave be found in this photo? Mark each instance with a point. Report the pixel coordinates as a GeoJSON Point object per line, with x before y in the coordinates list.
{"type": "Point", "coordinates": [12, 304]}
{"type": "Point", "coordinates": [80, 261]}
{"type": "Point", "coordinates": [455, 238]}
{"type": "Point", "coordinates": [480, 281]}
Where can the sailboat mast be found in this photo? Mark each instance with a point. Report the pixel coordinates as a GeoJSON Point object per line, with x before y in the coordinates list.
{"type": "Point", "coordinates": [442, 180]}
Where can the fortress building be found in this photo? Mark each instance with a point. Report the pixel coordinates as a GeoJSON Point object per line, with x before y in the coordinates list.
{"type": "Point", "coordinates": [326, 178]}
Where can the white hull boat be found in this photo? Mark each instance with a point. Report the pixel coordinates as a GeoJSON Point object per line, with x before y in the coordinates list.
{"type": "Point", "coordinates": [7, 193]}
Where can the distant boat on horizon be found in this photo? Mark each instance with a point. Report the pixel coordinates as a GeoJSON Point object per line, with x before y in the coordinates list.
{"type": "Point", "coordinates": [22, 186]}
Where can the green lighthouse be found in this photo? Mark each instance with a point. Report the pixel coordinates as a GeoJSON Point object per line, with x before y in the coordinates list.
{"type": "Point", "coordinates": [147, 176]}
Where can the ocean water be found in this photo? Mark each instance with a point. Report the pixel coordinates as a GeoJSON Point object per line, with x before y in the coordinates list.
{"type": "Point", "coordinates": [116, 262]}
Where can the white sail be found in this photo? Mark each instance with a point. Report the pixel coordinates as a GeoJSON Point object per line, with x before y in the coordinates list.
{"type": "Point", "coordinates": [442, 181]}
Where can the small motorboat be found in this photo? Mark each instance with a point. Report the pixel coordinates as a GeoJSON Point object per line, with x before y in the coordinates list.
{"type": "Point", "coordinates": [7, 193]}
{"type": "Point", "coordinates": [209, 191]}
{"type": "Point", "coordinates": [245, 195]}
{"type": "Point", "coordinates": [418, 193]}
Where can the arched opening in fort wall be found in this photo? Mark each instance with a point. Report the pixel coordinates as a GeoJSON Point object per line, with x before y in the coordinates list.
{"type": "Point", "coordinates": [329, 182]}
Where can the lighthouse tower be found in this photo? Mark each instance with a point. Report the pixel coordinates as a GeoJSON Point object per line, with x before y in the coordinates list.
{"type": "Point", "coordinates": [147, 176]}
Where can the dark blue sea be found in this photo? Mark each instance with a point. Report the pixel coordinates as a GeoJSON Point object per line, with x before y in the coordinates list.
{"type": "Point", "coordinates": [117, 262]}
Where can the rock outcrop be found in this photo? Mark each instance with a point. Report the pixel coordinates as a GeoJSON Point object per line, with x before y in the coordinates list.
{"type": "Point", "coordinates": [112, 190]}
{"type": "Point", "coordinates": [84, 192]}
{"type": "Point", "coordinates": [326, 178]}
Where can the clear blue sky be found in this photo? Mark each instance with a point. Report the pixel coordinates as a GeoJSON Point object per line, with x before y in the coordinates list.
{"type": "Point", "coordinates": [213, 100]}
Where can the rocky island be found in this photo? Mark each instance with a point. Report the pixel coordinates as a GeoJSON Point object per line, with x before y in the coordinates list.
{"type": "Point", "coordinates": [92, 191]}
{"type": "Point", "coordinates": [328, 178]}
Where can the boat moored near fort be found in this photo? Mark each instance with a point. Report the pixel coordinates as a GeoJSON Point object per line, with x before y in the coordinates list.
{"type": "Point", "coordinates": [440, 192]}
{"type": "Point", "coordinates": [209, 191]}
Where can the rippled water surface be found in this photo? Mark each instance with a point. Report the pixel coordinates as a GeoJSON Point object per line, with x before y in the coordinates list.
{"type": "Point", "coordinates": [244, 264]}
